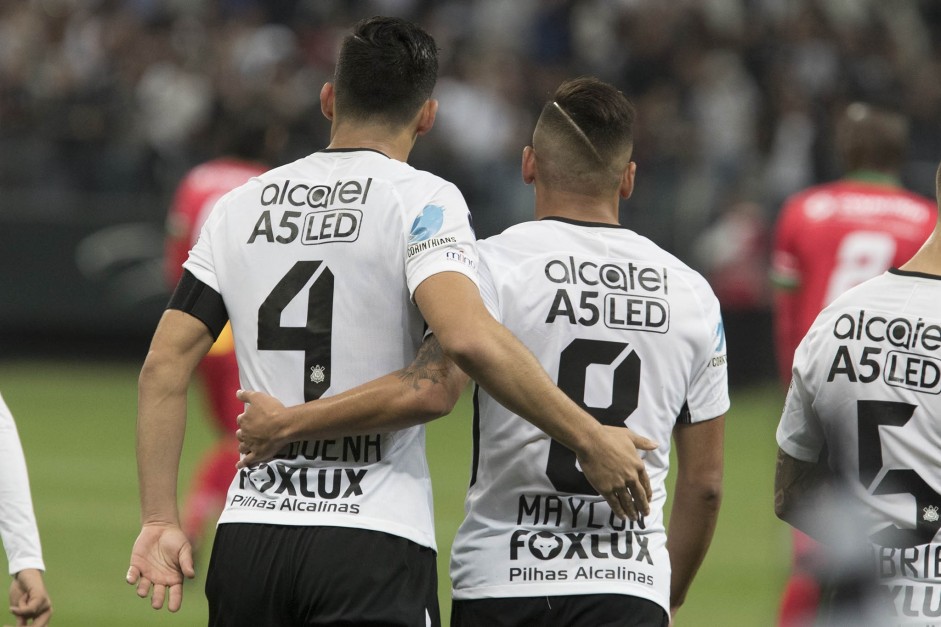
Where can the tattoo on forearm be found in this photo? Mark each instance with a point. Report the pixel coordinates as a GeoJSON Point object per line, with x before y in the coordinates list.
{"type": "Point", "coordinates": [796, 481]}
{"type": "Point", "coordinates": [430, 364]}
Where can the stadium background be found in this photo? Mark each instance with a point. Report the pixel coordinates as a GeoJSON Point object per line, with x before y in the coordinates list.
{"type": "Point", "coordinates": [105, 103]}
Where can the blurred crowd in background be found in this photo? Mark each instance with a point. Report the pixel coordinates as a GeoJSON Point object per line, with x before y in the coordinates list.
{"type": "Point", "coordinates": [116, 99]}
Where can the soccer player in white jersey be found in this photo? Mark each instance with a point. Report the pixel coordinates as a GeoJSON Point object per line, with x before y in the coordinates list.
{"type": "Point", "coordinates": [631, 334]}
{"type": "Point", "coordinates": [861, 426]}
{"type": "Point", "coordinates": [328, 269]}
{"type": "Point", "coordinates": [29, 601]}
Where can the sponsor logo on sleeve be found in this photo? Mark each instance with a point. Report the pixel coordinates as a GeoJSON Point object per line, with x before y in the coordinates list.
{"type": "Point", "coordinates": [427, 224]}
{"type": "Point", "coordinates": [719, 357]}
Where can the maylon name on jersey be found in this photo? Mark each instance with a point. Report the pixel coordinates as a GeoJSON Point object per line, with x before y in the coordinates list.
{"type": "Point", "coordinates": [634, 298]}
{"type": "Point", "coordinates": [910, 367]}
{"type": "Point", "coordinates": [324, 226]}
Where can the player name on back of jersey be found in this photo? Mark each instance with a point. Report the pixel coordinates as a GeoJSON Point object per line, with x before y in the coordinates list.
{"type": "Point", "coordinates": [576, 539]}
{"type": "Point", "coordinates": [290, 486]}
{"type": "Point", "coordinates": [335, 216]}
{"type": "Point", "coordinates": [621, 295]}
{"type": "Point", "coordinates": [902, 352]}
{"type": "Point", "coordinates": [911, 577]}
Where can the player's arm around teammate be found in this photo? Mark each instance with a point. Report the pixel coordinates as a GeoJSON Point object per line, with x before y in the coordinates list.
{"type": "Point", "coordinates": [494, 358]}
{"type": "Point", "coordinates": [162, 555]}
{"type": "Point", "coordinates": [430, 387]}
{"type": "Point", "coordinates": [697, 496]}
{"type": "Point", "coordinates": [427, 389]}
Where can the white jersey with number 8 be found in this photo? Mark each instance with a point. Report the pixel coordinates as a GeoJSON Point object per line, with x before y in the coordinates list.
{"type": "Point", "coordinates": [633, 336]}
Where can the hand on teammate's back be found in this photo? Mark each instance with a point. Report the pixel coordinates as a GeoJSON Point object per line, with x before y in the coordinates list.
{"type": "Point", "coordinates": [260, 427]}
{"type": "Point", "coordinates": [614, 467]}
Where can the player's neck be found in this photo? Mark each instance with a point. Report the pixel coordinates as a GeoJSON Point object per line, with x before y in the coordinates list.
{"type": "Point", "coordinates": [561, 204]}
{"type": "Point", "coordinates": [928, 258]}
{"type": "Point", "coordinates": [395, 143]}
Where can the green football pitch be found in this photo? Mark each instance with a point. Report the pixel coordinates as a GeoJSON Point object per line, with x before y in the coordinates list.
{"type": "Point", "coordinates": [76, 421]}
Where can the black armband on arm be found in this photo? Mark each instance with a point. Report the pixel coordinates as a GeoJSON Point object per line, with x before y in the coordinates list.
{"type": "Point", "coordinates": [194, 297]}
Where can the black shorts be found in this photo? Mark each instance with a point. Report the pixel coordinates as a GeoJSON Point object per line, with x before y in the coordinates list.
{"type": "Point", "coordinates": [282, 576]}
{"type": "Point", "coordinates": [596, 610]}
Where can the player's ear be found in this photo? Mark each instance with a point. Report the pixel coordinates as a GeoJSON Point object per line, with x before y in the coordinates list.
{"type": "Point", "coordinates": [627, 180]}
{"type": "Point", "coordinates": [327, 96]}
{"type": "Point", "coordinates": [426, 117]}
{"type": "Point", "coordinates": [529, 165]}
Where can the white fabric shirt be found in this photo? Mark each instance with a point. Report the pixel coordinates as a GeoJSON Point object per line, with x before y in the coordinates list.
{"type": "Point", "coordinates": [317, 261]}
{"type": "Point", "coordinates": [17, 521]}
{"type": "Point", "coordinates": [635, 337]}
{"type": "Point", "coordinates": [867, 384]}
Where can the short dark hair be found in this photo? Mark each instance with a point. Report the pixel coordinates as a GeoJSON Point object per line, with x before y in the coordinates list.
{"type": "Point", "coordinates": [588, 129]}
{"type": "Point", "coordinates": [386, 69]}
{"type": "Point", "coordinates": [871, 138]}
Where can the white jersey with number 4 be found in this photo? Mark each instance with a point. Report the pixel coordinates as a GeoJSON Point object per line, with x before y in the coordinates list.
{"type": "Point", "coordinates": [316, 262]}
{"type": "Point", "coordinates": [867, 383]}
{"type": "Point", "coordinates": [635, 337]}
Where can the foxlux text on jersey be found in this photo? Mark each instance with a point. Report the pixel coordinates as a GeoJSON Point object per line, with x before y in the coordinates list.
{"type": "Point", "coordinates": [584, 526]}
{"type": "Point", "coordinates": [275, 478]}
{"type": "Point", "coordinates": [910, 369]}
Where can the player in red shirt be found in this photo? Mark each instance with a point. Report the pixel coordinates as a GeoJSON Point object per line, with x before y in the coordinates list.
{"type": "Point", "coordinates": [828, 239]}
{"type": "Point", "coordinates": [194, 198]}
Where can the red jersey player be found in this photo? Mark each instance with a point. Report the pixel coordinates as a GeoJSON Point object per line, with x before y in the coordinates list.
{"type": "Point", "coordinates": [828, 239]}
{"type": "Point", "coordinates": [195, 197]}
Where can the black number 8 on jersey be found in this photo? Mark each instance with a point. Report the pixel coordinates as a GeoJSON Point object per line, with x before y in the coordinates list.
{"type": "Point", "coordinates": [573, 375]}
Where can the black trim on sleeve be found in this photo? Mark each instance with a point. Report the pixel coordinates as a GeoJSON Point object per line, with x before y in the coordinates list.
{"type": "Point", "coordinates": [684, 417]}
{"type": "Point", "coordinates": [194, 297]}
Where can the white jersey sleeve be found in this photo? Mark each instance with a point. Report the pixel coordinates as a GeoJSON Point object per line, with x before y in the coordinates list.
{"type": "Point", "coordinates": [799, 432]}
{"type": "Point", "coordinates": [708, 396]}
{"type": "Point", "coordinates": [437, 239]}
{"type": "Point", "coordinates": [17, 520]}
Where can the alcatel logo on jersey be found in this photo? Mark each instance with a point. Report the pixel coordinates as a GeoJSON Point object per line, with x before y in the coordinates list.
{"type": "Point", "coordinates": [909, 368]}
{"type": "Point", "coordinates": [315, 196]}
{"type": "Point", "coordinates": [899, 332]}
{"type": "Point", "coordinates": [317, 227]}
{"type": "Point", "coordinates": [621, 311]}
{"type": "Point", "coordinates": [632, 279]}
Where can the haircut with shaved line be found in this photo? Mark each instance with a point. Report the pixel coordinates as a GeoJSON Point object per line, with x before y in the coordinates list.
{"type": "Point", "coordinates": [584, 137]}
